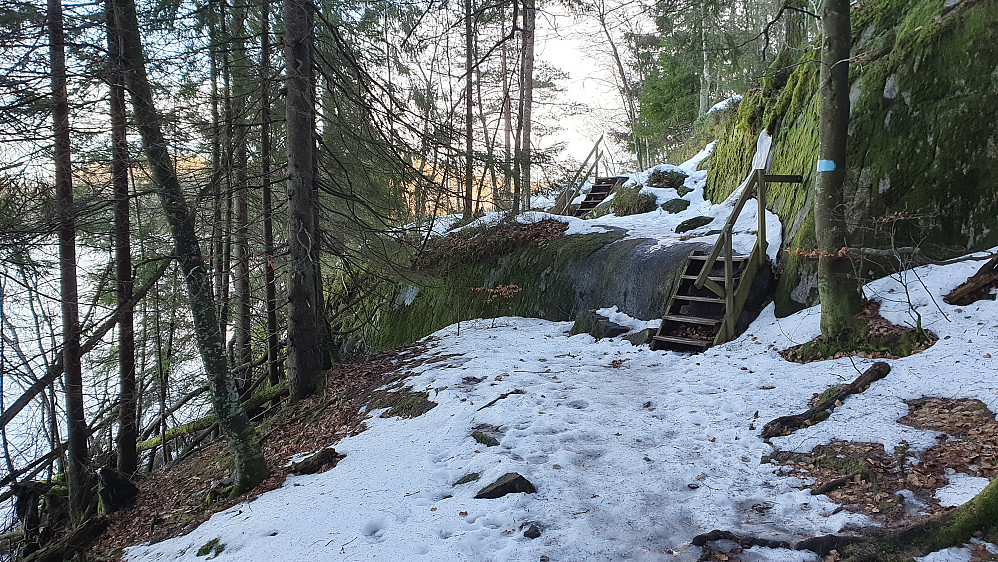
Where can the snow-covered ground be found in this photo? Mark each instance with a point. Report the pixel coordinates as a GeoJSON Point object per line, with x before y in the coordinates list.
{"type": "Point", "coordinates": [633, 452]}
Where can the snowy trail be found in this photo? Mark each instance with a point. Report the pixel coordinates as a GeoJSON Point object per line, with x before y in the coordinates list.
{"type": "Point", "coordinates": [615, 479]}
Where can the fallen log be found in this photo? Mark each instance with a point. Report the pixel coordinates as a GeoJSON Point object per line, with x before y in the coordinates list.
{"type": "Point", "coordinates": [977, 287]}
{"type": "Point", "coordinates": [788, 424]}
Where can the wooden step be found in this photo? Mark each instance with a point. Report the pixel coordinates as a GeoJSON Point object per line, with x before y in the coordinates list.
{"type": "Point", "coordinates": [693, 319]}
{"type": "Point", "coordinates": [699, 299]}
{"type": "Point", "coordinates": [717, 278]}
{"type": "Point", "coordinates": [720, 259]}
{"type": "Point", "coordinates": [684, 341]}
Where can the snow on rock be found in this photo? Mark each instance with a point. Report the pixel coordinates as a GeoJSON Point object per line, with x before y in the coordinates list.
{"type": "Point", "coordinates": [725, 104]}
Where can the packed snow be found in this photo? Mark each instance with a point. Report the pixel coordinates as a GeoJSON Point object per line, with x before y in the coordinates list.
{"type": "Point", "coordinates": [632, 452]}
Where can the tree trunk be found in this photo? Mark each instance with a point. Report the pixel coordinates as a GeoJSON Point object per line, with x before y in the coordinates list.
{"type": "Point", "coordinates": [240, 70]}
{"type": "Point", "coordinates": [838, 287]}
{"type": "Point", "coordinates": [250, 467]}
{"type": "Point", "coordinates": [526, 101]}
{"type": "Point", "coordinates": [468, 110]}
{"type": "Point", "coordinates": [273, 349]}
{"type": "Point", "coordinates": [793, 25]}
{"type": "Point", "coordinates": [303, 361]}
{"type": "Point", "coordinates": [127, 416]}
{"type": "Point", "coordinates": [80, 493]}
{"type": "Point", "coordinates": [507, 117]}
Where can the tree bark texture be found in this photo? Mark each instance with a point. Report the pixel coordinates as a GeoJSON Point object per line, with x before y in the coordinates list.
{"type": "Point", "coordinates": [469, 62]}
{"type": "Point", "coordinates": [270, 281]}
{"type": "Point", "coordinates": [80, 493]}
{"type": "Point", "coordinates": [526, 100]}
{"type": "Point", "coordinates": [240, 67]}
{"type": "Point", "coordinates": [250, 467]}
{"type": "Point", "coordinates": [838, 287]}
{"type": "Point", "coordinates": [303, 361]}
{"type": "Point", "coordinates": [127, 418]}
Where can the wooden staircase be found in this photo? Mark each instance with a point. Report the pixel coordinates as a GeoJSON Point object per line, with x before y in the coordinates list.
{"type": "Point", "coordinates": [695, 315]}
{"type": "Point", "coordinates": [711, 294]}
{"type": "Point", "coordinates": [602, 188]}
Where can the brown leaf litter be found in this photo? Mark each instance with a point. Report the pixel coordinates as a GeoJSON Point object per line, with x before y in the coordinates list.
{"type": "Point", "coordinates": [172, 501]}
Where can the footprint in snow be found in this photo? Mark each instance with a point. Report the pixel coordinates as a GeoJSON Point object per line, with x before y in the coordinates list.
{"type": "Point", "coordinates": [374, 530]}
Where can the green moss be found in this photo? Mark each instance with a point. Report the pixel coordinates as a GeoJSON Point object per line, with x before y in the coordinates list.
{"type": "Point", "coordinates": [828, 393]}
{"type": "Point", "coordinates": [845, 463]}
{"type": "Point", "coordinates": [632, 202]}
{"type": "Point", "coordinates": [484, 439]}
{"type": "Point", "coordinates": [448, 294]}
{"type": "Point", "coordinates": [922, 141]}
{"type": "Point", "coordinates": [214, 546]}
{"type": "Point", "coordinates": [857, 340]}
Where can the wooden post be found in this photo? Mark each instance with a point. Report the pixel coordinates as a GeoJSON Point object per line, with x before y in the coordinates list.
{"type": "Point", "coordinates": [729, 289]}
{"type": "Point", "coordinates": [760, 182]}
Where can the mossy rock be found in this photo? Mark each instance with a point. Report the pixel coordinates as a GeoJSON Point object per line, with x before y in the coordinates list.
{"type": "Point", "coordinates": [468, 478]}
{"type": "Point", "coordinates": [596, 325]}
{"type": "Point", "coordinates": [693, 223]}
{"type": "Point", "coordinates": [403, 403]}
{"type": "Point", "coordinates": [669, 179]}
{"type": "Point", "coordinates": [485, 439]}
{"type": "Point", "coordinates": [921, 160]}
{"type": "Point", "coordinates": [557, 280]}
{"type": "Point", "coordinates": [632, 202]}
{"type": "Point", "coordinates": [643, 337]}
{"type": "Point", "coordinates": [675, 206]}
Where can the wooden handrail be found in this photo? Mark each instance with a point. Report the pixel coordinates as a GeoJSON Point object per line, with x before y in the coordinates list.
{"type": "Point", "coordinates": [566, 197]}
{"type": "Point", "coordinates": [756, 182]}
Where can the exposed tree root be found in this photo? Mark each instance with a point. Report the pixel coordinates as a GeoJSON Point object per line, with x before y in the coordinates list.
{"type": "Point", "coordinates": [978, 517]}
{"type": "Point", "coordinates": [788, 424]}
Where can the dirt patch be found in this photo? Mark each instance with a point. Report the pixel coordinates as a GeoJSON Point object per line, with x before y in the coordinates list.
{"type": "Point", "coordinates": [172, 501]}
{"type": "Point", "coordinates": [879, 339]}
{"type": "Point", "coordinates": [863, 478]}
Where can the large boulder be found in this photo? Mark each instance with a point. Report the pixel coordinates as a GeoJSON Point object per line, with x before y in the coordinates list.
{"type": "Point", "coordinates": [922, 163]}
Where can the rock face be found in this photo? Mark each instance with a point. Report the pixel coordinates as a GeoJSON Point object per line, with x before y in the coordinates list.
{"type": "Point", "coordinates": [509, 483]}
{"type": "Point", "coordinates": [597, 325]}
{"type": "Point", "coordinates": [922, 159]}
{"type": "Point", "coordinates": [557, 281]}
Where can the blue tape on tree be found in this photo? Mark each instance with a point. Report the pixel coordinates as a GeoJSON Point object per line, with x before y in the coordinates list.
{"type": "Point", "coordinates": [826, 166]}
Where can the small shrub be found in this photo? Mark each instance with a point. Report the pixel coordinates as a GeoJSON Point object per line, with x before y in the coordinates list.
{"type": "Point", "coordinates": [633, 202]}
